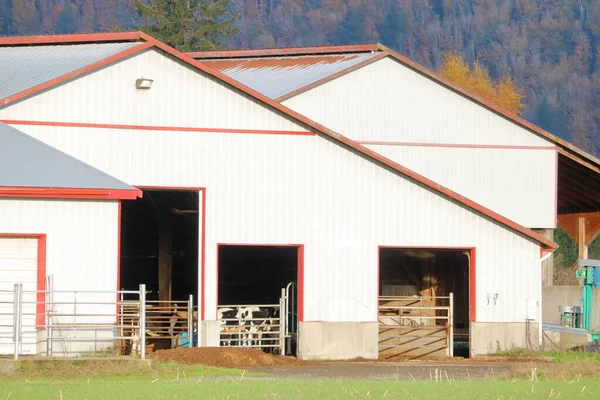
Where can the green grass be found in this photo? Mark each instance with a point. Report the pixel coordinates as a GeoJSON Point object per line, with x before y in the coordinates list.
{"type": "Point", "coordinates": [555, 356]}
{"type": "Point", "coordinates": [240, 388]}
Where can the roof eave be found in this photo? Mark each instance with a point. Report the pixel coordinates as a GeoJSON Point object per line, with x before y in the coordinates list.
{"type": "Point", "coordinates": [289, 51]}
{"type": "Point", "coordinates": [70, 39]}
{"type": "Point", "coordinates": [69, 193]}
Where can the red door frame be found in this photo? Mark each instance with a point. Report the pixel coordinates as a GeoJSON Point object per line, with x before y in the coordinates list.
{"type": "Point", "coordinates": [300, 278]}
{"type": "Point", "coordinates": [40, 308]}
{"type": "Point", "coordinates": [472, 273]}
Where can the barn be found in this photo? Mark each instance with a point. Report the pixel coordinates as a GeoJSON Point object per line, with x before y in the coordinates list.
{"type": "Point", "coordinates": [415, 117]}
{"type": "Point", "coordinates": [242, 197]}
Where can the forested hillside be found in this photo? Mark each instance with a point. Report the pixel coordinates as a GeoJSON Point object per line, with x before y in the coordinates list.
{"type": "Point", "coordinates": [549, 47]}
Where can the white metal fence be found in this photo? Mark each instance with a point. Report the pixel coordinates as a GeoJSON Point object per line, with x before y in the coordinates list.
{"type": "Point", "coordinates": [259, 326]}
{"type": "Point", "coordinates": [71, 323]}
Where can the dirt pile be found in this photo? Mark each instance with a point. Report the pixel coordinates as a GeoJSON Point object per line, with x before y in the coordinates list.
{"type": "Point", "coordinates": [223, 357]}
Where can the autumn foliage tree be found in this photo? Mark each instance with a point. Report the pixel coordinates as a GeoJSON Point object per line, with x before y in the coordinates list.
{"type": "Point", "coordinates": [187, 25]}
{"type": "Point", "coordinates": [502, 92]}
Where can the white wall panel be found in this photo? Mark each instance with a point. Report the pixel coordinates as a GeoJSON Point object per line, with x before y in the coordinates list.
{"type": "Point", "coordinates": [81, 241]}
{"type": "Point", "coordinates": [492, 177]}
{"type": "Point", "coordinates": [387, 102]}
{"type": "Point", "coordinates": [267, 189]}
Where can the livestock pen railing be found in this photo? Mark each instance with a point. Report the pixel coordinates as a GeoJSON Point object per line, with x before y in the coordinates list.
{"type": "Point", "coordinates": [416, 326]}
{"type": "Point", "coordinates": [171, 322]}
{"type": "Point", "coordinates": [259, 326]}
{"type": "Point", "coordinates": [72, 323]}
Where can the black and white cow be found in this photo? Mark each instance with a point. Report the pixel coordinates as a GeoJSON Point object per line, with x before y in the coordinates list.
{"type": "Point", "coordinates": [255, 322]}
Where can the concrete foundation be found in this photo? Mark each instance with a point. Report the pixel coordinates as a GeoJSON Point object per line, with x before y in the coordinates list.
{"type": "Point", "coordinates": [565, 295]}
{"type": "Point", "coordinates": [337, 340]}
{"type": "Point", "coordinates": [494, 337]}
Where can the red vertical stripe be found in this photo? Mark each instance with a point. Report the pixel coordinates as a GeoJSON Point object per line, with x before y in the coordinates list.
{"type": "Point", "coordinates": [473, 300]}
{"type": "Point", "coordinates": [301, 283]}
{"type": "Point", "coordinates": [40, 310]}
{"type": "Point", "coordinates": [118, 259]}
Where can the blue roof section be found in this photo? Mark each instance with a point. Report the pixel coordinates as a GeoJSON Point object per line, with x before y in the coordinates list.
{"type": "Point", "coordinates": [28, 162]}
{"type": "Point", "coordinates": [24, 67]}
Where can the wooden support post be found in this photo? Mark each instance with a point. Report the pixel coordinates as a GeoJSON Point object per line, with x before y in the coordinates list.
{"type": "Point", "coordinates": [165, 262]}
{"type": "Point", "coordinates": [582, 228]}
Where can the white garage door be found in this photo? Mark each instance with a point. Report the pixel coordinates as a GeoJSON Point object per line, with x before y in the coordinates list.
{"type": "Point", "coordinates": [18, 264]}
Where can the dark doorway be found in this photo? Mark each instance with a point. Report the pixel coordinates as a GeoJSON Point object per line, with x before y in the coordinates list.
{"type": "Point", "coordinates": [255, 274]}
{"type": "Point", "coordinates": [427, 272]}
{"type": "Point", "coordinates": [161, 227]}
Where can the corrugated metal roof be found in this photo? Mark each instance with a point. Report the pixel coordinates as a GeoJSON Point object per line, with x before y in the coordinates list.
{"type": "Point", "coordinates": [27, 162]}
{"type": "Point", "coordinates": [277, 76]}
{"type": "Point", "coordinates": [24, 67]}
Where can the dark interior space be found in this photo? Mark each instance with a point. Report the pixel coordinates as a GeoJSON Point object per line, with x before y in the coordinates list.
{"type": "Point", "coordinates": [426, 272]}
{"type": "Point", "coordinates": [160, 212]}
{"type": "Point", "coordinates": [255, 274]}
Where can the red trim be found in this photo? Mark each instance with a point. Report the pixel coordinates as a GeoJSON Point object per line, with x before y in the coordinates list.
{"type": "Point", "coordinates": [158, 128]}
{"type": "Point", "coordinates": [203, 255]}
{"type": "Point", "coordinates": [40, 308]}
{"type": "Point", "coordinates": [473, 285]}
{"type": "Point", "coordinates": [74, 74]}
{"type": "Point", "coordinates": [76, 38]}
{"type": "Point", "coordinates": [346, 141]}
{"type": "Point", "coordinates": [299, 247]}
{"type": "Point", "coordinates": [118, 260]}
{"type": "Point", "coordinates": [289, 51]}
{"type": "Point", "coordinates": [331, 77]}
{"type": "Point", "coordinates": [456, 145]}
{"type": "Point", "coordinates": [69, 193]}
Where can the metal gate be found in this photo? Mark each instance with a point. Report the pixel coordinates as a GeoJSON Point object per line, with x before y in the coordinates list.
{"type": "Point", "coordinates": [261, 326]}
{"type": "Point", "coordinates": [415, 327]}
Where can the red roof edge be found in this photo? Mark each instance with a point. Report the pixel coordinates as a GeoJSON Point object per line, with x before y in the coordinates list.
{"type": "Point", "coordinates": [287, 51]}
{"type": "Point", "coordinates": [69, 193]}
{"type": "Point", "coordinates": [317, 127]}
{"type": "Point", "coordinates": [75, 38]}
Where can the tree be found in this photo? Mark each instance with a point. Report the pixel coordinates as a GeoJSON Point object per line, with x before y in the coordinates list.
{"type": "Point", "coordinates": [503, 92]}
{"type": "Point", "coordinates": [187, 25]}
{"type": "Point", "coordinates": [25, 17]}
{"type": "Point", "coordinates": [67, 20]}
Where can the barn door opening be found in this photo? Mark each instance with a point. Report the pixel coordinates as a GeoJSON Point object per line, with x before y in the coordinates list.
{"type": "Point", "coordinates": [255, 276]}
{"type": "Point", "coordinates": [415, 313]}
{"type": "Point", "coordinates": [159, 244]}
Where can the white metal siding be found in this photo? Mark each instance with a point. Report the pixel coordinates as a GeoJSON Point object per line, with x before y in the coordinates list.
{"type": "Point", "coordinates": [387, 102]}
{"type": "Point", "coordinates": [492, 177]}
{"type": "Point", "coordinates": [18, 264]}
{"type": "Point", "coordinates": [276, 190]}
{"type": "Point", "coordinates": [269, 189]}
{"type": "Point", "coordinates": [81, 241]}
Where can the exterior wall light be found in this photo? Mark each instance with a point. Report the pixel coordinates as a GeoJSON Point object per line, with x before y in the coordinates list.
{"type": "Point", "coordinates": [143, 83]}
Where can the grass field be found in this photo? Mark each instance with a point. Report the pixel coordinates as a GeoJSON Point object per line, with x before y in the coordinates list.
{"type": "Point", "coordinates": [572, 376]}
{"type": "Point", "coordinates": [253, 388]}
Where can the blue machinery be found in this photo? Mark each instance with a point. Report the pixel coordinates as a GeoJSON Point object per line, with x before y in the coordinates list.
{"type": "Point", "coordinates": [582, 317]}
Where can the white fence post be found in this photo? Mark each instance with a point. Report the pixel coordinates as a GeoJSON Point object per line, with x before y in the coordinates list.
{"type": "Point", "coordinates": [451, 324]}
{"type": "Point", "coordinates": [17, 310]}
{"type": "Point", "coordinates": [282, 321]}
{"type": "Point", "coordinates": [191, 321]}
{"type": "Point", "coordinates": [143, 321]}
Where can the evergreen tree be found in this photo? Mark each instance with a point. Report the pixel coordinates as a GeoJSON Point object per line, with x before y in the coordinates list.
{"type": "Point", "coordinates": [68, 21]}
{"type": "Point", "coordinates": [188, 25]}
{"type": "Point", "coordinates": [393, 26]}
